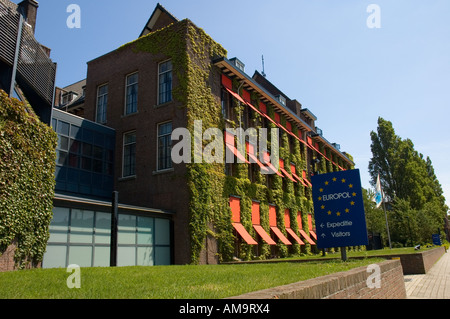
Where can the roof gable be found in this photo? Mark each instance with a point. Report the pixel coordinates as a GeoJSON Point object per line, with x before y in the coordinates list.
{"type": "Point", "coordinates": [160, 18]}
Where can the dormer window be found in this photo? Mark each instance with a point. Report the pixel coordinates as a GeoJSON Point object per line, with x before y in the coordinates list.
{"type": "Point", "coordinates": [281, 99]}
{"type": "Point", "coordinates": [238, 63]}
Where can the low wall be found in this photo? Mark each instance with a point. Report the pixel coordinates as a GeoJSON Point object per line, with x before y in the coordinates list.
{"type": "Point", "coordinates": [420, 262]}
{"type": "Point", "coordinates": [350, 284]}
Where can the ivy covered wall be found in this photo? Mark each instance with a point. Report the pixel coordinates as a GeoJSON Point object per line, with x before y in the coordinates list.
{"type": "Point", "coordinates": [27, 181]}
{"type": "Point", "coordinates": [192, 52]}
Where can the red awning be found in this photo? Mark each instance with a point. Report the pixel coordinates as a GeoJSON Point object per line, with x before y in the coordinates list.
{"type": "Point", "coordinates": [306, 237]}
{"type": "Point", "coordinates": [226, 82]}
{"type": "Point", "coordinates": [229, 142]}
{"type": "Point", "coordinates": [294, 235]}
{"type": "Point", "coordinates": [296, 176]}
{"type": "Point", "coordinates": [280, 235]}
{"type": "Point", "coordinates": [244, 234]}
{"type": "Point", "coordinates": [310, 226]}
{"type": "Point", "coordinates": [240, 99]}
{"type": "Point", "coordinates": [261, 232]}
{"type": "Point", "coordinates": [269, 164]}
{"type": "Point", "coordinates": [237, 96]}
{"type": "Point", "coordinates": [305, 179]}
{"type": "Point", "coordinates": [254, 158]}
{"type": "Point", "coordinates": [285, 172]}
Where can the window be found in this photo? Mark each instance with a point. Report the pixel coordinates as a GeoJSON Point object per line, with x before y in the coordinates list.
{"type": "Point", "coordinates": [225, 102]}
{"type": "Point", "coordinates": [131, 93]}
{"type": "Point", "coordinates": [129, 154]}
{"type": "Point", "coordinates": [165, 82]}
{"type": "Point", "coordinates": [102, 102]}
{"type": "Point", "coordinates": [164, 146]}
{"type": "Point", "coordinates": [83, 237]}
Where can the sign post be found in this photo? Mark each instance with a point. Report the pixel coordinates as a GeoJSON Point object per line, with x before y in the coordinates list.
{"type": "Point", "coordinates": [339, 210]}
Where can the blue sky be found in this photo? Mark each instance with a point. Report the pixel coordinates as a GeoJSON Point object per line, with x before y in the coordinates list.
{"type": "Point", "coordinates": [319, 52]}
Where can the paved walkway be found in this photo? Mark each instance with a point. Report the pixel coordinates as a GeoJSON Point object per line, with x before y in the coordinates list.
{"type": "Point", "coordinates": [433, 285]}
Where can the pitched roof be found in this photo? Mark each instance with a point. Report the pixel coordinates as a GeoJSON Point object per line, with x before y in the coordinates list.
{"type": "Point", "coordinates": [149, 27]}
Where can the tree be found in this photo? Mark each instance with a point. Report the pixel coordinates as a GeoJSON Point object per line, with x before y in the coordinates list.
{"type": "Point", "coordinates": [410, 185]}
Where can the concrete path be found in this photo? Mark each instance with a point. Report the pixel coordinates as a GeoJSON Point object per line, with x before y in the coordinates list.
{"type": "Point", "coordinates": [433, 285]}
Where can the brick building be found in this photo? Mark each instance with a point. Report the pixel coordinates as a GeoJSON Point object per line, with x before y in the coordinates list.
{"type": "Point", "coordinates": [173, 75]}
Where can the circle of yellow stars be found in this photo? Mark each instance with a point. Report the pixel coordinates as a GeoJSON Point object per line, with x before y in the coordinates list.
{"type": "Point", "coordinates": [346, 210]}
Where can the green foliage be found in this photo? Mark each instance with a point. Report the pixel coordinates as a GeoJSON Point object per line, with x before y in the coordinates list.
{"type": "Point", "coordinates": [192, 51]}
{"type": "Point", "coordinates": [408, 180]}
{"type": "Point", "coordinates": [27, 164]}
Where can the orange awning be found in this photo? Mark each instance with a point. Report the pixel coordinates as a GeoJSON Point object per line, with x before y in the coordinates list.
{"type": "Point", "coordinates": [310, 226]}
{"type": "Point", "coordinates": [299, 179]}
{"type": "Point", "coordinates": [244, 234]}
{"type": "Point", "coordinates": [277, 123]}
{"type": "Point", "coordinates": [306, 237]}
{"type": "Point", "coordinates": [294, 235]}
{"type": "Point", "coordinates": [296, 176]}
{"type": "Point", "coordinates": [271, 168]}
{"type": "Point", "coordinates": [261, 232]}
{"type": "Point", "coordinates": [285, 173]}
{"type": "Point", "coordinates": [280, 235]}
{"type": "Point", "coordinates": [237, 96]}
{"type": "Point", "coordinates": [305, 179]}
{"type": "Point", "coordinates": [254, 158]}
{"type": "Point", "coordinates": [229, 142]}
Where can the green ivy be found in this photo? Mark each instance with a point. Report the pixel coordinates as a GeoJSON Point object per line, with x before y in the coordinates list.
{"type": "Point", "coordinates": [27, 181]}
{"type": "Point", "coordinates": [192, 51]}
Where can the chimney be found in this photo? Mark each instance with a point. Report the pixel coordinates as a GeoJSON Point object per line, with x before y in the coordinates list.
{"type": "Point", "coordinates": [28, 8]}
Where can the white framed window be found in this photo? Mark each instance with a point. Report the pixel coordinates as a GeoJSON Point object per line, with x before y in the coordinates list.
{"type": "Point", "coordinates": [102, 103]}
{"type": "Point", "coordinates": [164, 146]}
{"type": "Point", "coordinates": [165, 82]}
{"type": "Point", "coordinates": [131, 97]}
{"type": "Point", "coordinates": [129, 154]}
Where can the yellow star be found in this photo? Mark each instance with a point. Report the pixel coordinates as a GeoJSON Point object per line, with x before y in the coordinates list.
{"type": "Point", "coordinates": [338, 214]}
{"type": "Point", "coordinates": [326, 183]}
{"type": "Point", "coordinates": [323, 206]}
{"type": "Point", "coordinates": [321, 190]}
{"type": "Point", "coordinates": [320, 197]}
{"type": "Point", "coordinates": [347, 210]}
{"type": "Point", "coordinates": [343, 180]}
{"type": "Point", "coordinates": [352, 203]}
{"type": "Point", "coordinates": [353, 194]}
{"type": "Point", "coordinates": [350, 186]}
{"type": "Point", "coordinates": [329, 212]}
{"type": "Point", "coordinates": [334, 179]}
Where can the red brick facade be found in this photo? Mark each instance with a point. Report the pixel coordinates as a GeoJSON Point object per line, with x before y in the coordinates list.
{"type": "Point", "coordinates": [148, 188]}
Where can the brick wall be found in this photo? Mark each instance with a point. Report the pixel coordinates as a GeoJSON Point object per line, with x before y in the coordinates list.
{"type": "Point", "coordinates": [7, 258]}
{"type": "Point", "coordinates": [418, 263]}
{"type": "Point", "coordinates": [350, 284]}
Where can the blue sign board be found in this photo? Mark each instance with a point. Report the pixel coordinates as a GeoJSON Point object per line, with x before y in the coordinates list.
{"type": "Point", "coordinates": [339, 209]}
{"type": "Point", "coordinates": [436, 239]}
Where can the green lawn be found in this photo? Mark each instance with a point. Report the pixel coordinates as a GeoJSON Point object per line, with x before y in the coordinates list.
{"type": "Point", "coordinates": [166, 282]}
{"type": "Point", "coordinates": [385, 251]}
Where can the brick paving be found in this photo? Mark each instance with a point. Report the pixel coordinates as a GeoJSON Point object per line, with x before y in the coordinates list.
{"type": "Point", "coordinates": [435, 284]}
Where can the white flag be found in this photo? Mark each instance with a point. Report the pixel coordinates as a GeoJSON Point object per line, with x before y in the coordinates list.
{"type": "Point", "coordinates": [378, 192]}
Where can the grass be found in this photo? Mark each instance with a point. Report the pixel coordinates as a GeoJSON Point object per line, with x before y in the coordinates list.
{"type": "Point", "coordinates": [166, 282]}
{"type": "Point", "coordinates": [385, 251]}
{"type": "Point", "coordinates": [364, 253]}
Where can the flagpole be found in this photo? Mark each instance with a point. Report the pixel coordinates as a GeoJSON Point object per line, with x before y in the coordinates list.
{"type": "Point", "coordinates": [387, 225]}
{"type": "Point", "coordinates": [379, 193]}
